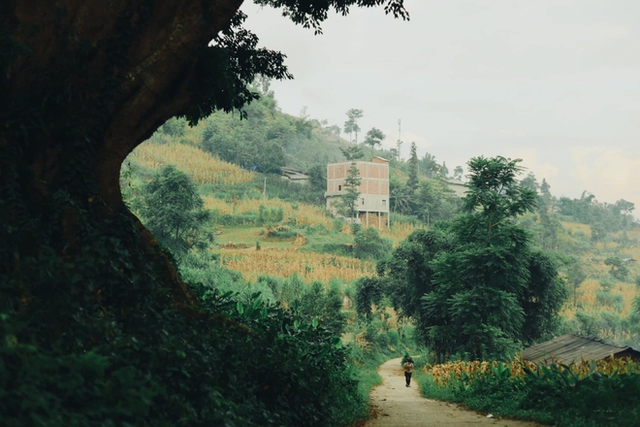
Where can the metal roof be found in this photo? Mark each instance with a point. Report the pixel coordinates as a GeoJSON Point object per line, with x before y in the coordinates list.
{"type": "Point", "coordinates": [569, 348]}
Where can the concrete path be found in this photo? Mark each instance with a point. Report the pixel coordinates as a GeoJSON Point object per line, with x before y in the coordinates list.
{"type": "Point", "coordinates": [400, 406]}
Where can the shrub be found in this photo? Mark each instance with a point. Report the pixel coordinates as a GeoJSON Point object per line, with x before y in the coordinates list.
{"type": "Point", "coordinates": [581, 394]}
{"type": "Point", "coordinates": [608, 299]}
{"type": "Point", "coordinates": [118, 349]}
{"type": "Point", "coordinates": [369, 244]}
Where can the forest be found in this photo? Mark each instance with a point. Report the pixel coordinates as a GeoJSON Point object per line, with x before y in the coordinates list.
{"type": "Point", "coordinates": [156, 268]}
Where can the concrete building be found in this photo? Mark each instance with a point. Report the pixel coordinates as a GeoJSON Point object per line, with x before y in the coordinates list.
{"type": "Point", "coordinates": [373, 203]}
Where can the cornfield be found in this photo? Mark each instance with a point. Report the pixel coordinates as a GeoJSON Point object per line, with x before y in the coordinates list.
{"type": "Point", "coordinates": [594, 266]}
{"type": "Point", "coordinates": [201, 166]}
{"type": "Point", "coordinates": [298, 213]}
{"type": "Point", "coordinates": [283, 263]}
{"type": "Point", "coordinates": [449, 373]}
{"type": "Point", "coordinates": [587, 295]}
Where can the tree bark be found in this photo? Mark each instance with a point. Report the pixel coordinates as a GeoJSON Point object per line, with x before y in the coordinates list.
{"type": "Point", "coordinates": [85, 83]}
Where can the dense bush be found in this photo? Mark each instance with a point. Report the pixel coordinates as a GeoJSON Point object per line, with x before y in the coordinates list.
{"type": "Point", "coordinates": [369, 244]}
{"type": "Point", "coordinates": [121, 350]}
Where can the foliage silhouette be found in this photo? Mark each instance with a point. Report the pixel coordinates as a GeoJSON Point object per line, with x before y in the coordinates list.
{"type": "Point", "coordinates": [99, 328]}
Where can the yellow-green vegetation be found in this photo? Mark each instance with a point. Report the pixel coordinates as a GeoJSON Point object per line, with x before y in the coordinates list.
{"type": "Point", "coordinates": [446, 374]}
{"type": "Point", "coordinates": [284, 263]}
{"type": "Point", "coordinates": [399, 231]}
{"type": "Point", "coordinates": [587, 297]}
{"type": "Point", "coordinates": [300, 214]}
{"type": "Point", "coordinates": [201, 166]}
{"type": "Point", "coordinates": [602, 393]}
{"type": "Point", "coordinates": [593, 262]}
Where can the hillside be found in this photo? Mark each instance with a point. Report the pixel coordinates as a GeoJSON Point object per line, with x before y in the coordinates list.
{"type": "Point", "coordinates": [264, 224]}
{"type": "Point", "coordinates": [235, 198]}
{"type": "Point", "coordinates": [273, 238]}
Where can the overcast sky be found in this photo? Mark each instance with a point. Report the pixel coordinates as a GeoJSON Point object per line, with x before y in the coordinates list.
{"type": "Point", "coordinates": [554, 82]}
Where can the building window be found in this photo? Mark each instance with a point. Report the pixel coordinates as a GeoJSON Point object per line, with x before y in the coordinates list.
{"type": "Point", "coordinates": [339, 187]}
{"type": "Point", "coordinates": [362, 200]}
{"type": "Point", "coordinates": [384, 202]}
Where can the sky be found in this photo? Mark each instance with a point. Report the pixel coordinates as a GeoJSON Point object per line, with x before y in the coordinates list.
{"type": "Point", "coordinates": [553, 82]}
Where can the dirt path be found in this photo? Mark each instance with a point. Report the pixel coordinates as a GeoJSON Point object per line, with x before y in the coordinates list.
{"type": "Point", "coordinates": [400, 406]}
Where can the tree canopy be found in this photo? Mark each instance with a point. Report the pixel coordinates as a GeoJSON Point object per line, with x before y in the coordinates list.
{"type": "Point", "coordinates": [174, 212]}
{"type": "Point", "coordinates": [475, 285]}
{"type": "Point", "coordinates": [351, 125]}
{"type": "Point", "coordinates": [374, 137]}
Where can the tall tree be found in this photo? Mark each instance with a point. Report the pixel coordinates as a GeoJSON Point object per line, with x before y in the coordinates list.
{"type": "Point", "coordinates": [492, 189]}
{"type": "Point", "coordinates": [174, 211]}
{"type": "Point", "coordinates": [530, 182]}
{"type": "Point", "coordinates": [430, 166]}
{"type": "Point", "coordinates": [545, 200]}
{"type": "Point", "coordinates": [348, 204]}
{"type": "Point", "coordinates": [351, 125]}
{"type": "Point", "coordinates": [317, 177]}
{"type": "Point", "coordinates": [434, 201]}
{"type": "Point", "coordinates": [374, 137]}
{"type": "Point", "coordinates": [575, 276]}
{"type": "Point", "coordinates": [457, 172]}
{"type": "Point", "coordinates": [551, 227]}
{"type": "Point", "coordinates": [444, 171]}
{"type": "Point", "coordinates": [412, 182]}
{"type": "Point", "coordinates": [623, 207]}
{"type": "Point", "coordinates": [476, 286]}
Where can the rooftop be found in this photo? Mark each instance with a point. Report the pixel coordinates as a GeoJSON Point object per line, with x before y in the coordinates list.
{"type": "Point", "coordinates": [569, 348]}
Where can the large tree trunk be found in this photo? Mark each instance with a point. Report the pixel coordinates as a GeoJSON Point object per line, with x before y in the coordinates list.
{"type": "Point", "coordinates": [85, 83]}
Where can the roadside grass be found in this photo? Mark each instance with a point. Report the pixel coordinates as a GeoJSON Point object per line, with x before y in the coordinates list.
{"type": "Point", "coordinates": [368, 377]}
{"type": "Point", "coordinates": [429, 389]}
{"type": "Point", "coordinates": [367, 356]}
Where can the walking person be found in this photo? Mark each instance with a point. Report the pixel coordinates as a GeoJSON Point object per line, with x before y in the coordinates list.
{"type": "Point", "coordinates": [408, 370]}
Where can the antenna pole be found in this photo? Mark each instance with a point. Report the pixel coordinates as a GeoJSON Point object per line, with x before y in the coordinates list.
{"type": "Point", "coordinates": [399, 142]}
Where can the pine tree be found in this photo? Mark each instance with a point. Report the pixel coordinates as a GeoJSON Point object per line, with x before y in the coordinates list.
{"type": "Point", "coordinates": [348, 204]}
{"type": "Point", "coordinates": [412, 182]}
